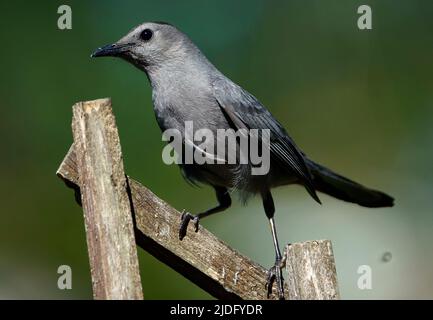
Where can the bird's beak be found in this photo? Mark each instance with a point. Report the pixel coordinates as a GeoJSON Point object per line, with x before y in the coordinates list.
{"type": "Point", "coordinates": [111, 50]}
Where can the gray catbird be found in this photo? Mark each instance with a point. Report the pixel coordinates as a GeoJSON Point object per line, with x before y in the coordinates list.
{"type": "Point", "coordinates": [187, 87]}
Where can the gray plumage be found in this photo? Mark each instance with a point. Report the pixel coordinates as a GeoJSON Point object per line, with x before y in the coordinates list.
{"type": "Point", "coordinates": [187, 87]}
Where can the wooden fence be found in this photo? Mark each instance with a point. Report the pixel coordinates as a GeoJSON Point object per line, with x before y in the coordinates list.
{"type": "Point", "coordinates": [119, 213]}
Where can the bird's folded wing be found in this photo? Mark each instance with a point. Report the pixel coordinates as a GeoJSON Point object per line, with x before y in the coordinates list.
{"type": "Point", "coordinates": [245, 111]}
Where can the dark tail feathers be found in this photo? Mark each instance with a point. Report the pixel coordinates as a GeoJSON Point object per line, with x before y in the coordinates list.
{"type": "Point", "coordinates": [342, 188]}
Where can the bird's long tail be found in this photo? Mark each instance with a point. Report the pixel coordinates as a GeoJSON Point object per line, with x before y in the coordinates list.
{"type": "Point", "coordinates": [333, 184]}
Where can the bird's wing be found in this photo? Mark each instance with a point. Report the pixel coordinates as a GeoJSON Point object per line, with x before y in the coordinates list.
{"type": "Point", "coordinates": [245, 111]}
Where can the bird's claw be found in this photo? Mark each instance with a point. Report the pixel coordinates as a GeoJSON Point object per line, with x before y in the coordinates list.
{"type": "Point", "coordinates": [275, 274]}
{"type": "Point", "coordinates": [185, 218]}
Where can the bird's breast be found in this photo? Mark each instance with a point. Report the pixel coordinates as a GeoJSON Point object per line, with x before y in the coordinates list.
{"type": "Point", "coordinates": [175, 108]}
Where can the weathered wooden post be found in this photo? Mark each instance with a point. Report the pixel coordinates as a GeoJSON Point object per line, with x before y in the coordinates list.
{"type": "Point", "coordinates": [311, 272]}
{"type": "Point", "coordinates": [106, 205]}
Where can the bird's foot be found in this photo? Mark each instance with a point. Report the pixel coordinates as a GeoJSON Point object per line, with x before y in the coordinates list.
{"type": "Point", "coordinates": [185, 218]}
{"type": "Point", "coordinates": [275, 274]}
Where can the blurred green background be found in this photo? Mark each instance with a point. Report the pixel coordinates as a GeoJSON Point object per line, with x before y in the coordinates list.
{"type": "Point", "coordinates": [360, 102]}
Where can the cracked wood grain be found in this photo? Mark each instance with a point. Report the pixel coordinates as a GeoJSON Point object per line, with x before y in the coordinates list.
{"type": "Point", "coordinates": [107, 211]}
{"type": "Point", "coordinates": [311, 271]}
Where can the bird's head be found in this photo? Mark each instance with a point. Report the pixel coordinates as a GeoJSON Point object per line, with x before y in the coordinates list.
{"type": "Point", "coordinates": [150, 44]}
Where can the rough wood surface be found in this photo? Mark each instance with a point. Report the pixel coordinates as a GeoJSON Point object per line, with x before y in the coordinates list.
{"type": "Point", "coordinates": [201, 257]}
{"type": "Point", "coordinates": [311, 272]}
{"type": "Point", "coordinates": [105, 201]}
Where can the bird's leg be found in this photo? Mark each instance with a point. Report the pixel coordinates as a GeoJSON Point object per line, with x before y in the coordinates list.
{"type": "Point", "coordinates": [185, 218]}
{"type": "Point", "coordinates": [275, 273]}
{"type": "Point", "coordinates": [224, 201]}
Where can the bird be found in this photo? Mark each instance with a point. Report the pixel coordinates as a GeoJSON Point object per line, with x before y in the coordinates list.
{"type": "Point", "coordinates": [186, 86]}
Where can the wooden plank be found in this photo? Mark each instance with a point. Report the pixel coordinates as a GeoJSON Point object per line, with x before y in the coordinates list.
{"type": "Point", "coordinates": [107, 209]}
{"type": "Point", "coordinates": [200, 257]}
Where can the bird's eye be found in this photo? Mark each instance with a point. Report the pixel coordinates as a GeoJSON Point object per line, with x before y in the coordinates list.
{"type": "Point", "coordinates": [146, 34]}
